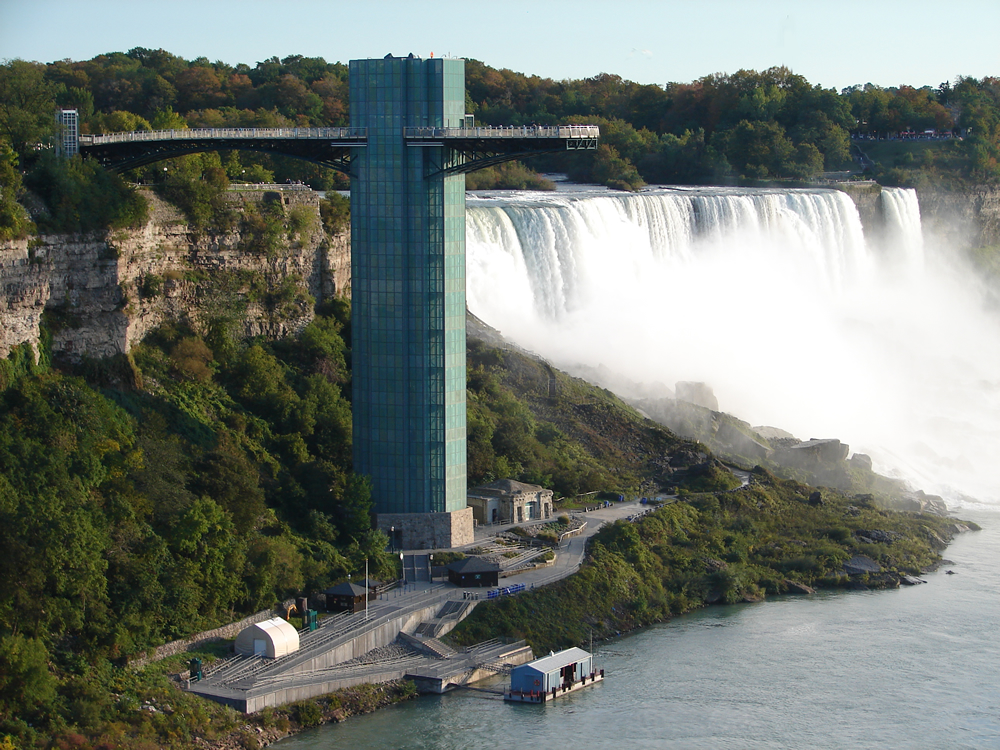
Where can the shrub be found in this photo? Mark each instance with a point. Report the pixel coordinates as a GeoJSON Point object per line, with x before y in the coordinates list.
{"type": "Point", "coordinates": [82, 196]}
{"type": "Point", "coordinates": [300, 220]}
{"type": "Point", "coordinates": [191, 358]}
{"type": "Point", "coordinates": [308, 713]}
{"type": "Point", "coordinates": [335, 211]}
{"type": "Point", "coordinates": [150, 286]}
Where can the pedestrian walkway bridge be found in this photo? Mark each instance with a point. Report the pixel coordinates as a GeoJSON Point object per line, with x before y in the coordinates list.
{"type": "Point", "coordinates": [466, 148]}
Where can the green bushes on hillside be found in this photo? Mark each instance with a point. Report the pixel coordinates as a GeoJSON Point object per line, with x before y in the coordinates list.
{"type": "Point", "coordinates": [82, 196]}
{"type": "Point", "coordinates": [210, 486]}
{"type": "Point", "coordinates": [726, 547]}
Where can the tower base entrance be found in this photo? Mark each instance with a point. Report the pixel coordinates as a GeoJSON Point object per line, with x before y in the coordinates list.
{"type": "Point", "coordinates": [427, 530]}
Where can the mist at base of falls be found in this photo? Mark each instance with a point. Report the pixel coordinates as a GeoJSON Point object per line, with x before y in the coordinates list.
{"type": "Point", "coordinates": [775, 298]}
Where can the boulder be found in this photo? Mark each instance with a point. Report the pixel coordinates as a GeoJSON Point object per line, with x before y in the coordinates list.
{"type": "Point", "coordinates": [813, 454]}
{"type": "Point", "coordinates": [794, 587]}
{"type": "Point", "coordinates": [872, 536]}
{"type": "Point", "coordinates": [861, 462]}
{"type": "Point", "coordinates": [712, 565]}
{"type": "Point", "coordinates": [860, 565]}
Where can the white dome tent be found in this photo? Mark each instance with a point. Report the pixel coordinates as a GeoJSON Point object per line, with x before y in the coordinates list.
{"type": "Point", "coordinates": [270, 638]}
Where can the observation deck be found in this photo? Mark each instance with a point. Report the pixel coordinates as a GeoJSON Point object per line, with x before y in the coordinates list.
{"type": "Point", "coordinates": [472, 148]}
{"type": "Point", "coordinates": [329, 147]}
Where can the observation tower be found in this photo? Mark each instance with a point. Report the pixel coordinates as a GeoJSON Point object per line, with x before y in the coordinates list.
{"type": "Point", "coordinates": [408, 285]}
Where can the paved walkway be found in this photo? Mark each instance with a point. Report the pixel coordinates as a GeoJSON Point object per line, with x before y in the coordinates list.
{"type": "Point", "coordinates": [569, 554]}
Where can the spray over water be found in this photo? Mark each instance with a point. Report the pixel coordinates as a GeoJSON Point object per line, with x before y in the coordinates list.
{"type": "Point", "coordinates": [773, 297]}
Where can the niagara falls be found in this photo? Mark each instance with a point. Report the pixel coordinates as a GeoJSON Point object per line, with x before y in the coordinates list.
{"type": "Point", "coordinates": [796, 315]}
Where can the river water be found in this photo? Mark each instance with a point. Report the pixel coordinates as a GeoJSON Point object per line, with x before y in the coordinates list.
{"type": "Point", "coordinates": [917, 667]}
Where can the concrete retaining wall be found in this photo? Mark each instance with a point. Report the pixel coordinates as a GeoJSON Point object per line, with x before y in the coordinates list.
{"type": "Point", "coordinates": [223, 633]}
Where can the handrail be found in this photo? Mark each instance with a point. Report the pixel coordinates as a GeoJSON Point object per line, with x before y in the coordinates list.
{"type": "Point", "coordinates": [517, 131]}
{"type": "Point", "coordinates": [350, 134]}
{"type": "Point", "coordinates": [355, 134]}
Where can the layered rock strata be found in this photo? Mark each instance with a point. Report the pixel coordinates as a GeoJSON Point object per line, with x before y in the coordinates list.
{"type": "Point", "coordinates": [101, 293]}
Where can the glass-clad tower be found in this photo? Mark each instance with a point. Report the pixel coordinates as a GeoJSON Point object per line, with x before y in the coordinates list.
{"type": "Point", "coordinates": [408, 298]}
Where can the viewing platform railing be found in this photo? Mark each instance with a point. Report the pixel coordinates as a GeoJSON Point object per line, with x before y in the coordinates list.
{"type": "Point", "coordinates": [338, 134]}
{"type": "Point", "coordinates": [517, 131]}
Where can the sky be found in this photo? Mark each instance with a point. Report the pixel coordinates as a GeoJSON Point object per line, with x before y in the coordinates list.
{"type": "Point", "coordinates": [833, 44]}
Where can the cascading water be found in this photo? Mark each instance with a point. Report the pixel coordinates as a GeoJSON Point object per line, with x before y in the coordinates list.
{"type": "Point", "coordinates": [773, 297]}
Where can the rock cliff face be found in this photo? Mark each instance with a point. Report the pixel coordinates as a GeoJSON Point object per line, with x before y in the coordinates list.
{"type": "Point", "coordinates": [961, 219]}
{"type": "Point", "coordinates": [867, 197]}
{"type": "Point", "coordinates": [101, 293]}
{"type": "Point", "coordinates": [970, 218]}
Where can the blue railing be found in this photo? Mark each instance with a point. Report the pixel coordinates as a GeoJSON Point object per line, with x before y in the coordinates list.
{"type": "Point", "coordinates": [505, 591]}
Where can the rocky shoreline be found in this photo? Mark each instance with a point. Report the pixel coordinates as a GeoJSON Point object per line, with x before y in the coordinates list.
{"type": "Point", "coordinates": [271, 725]}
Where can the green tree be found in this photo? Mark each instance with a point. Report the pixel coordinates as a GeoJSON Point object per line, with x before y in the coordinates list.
{"type": "Point", "coordinates": [335, 210]}
{"type": "Point", "coordinates": [83, 196]}
{"type": "Point", "coordinates": [27, 103]}
{"type": "Point", "coordinates": [26, 684]}
{"type": "Point", "coordinates": [206, 551]}
{"type": "Point", "coordinates": [119, 121]}
{"type": "Point", "coordinates": [611, 169]}
{"type": "Point", "coordinates": [14, 220]}
{"type": "Point", "coordinates": [757, 149]}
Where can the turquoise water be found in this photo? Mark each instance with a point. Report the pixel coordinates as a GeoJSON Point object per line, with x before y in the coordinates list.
{"type": "Point", "coordinates": [917, 667]}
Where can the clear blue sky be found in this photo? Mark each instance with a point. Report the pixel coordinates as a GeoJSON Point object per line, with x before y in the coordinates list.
{"type": "Point", "coordinates": [832, 43]}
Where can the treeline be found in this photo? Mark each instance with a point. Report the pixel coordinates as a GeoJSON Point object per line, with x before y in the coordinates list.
{"type": "Point", "coordinates": [744, 126]}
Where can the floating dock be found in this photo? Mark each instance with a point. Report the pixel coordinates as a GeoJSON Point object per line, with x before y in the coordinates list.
{"type": "Point", "coordinates": [552, 676]}
{"type": "Point", "coordinates": [536, 697]}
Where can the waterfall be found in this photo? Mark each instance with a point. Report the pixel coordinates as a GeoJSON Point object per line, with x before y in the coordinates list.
{"type": "Point", "coordinates": [559, 252]}
{"type": "Point", "coordinates": [773, 297]}
{"type": "Point", "coordinates": [903, 233]}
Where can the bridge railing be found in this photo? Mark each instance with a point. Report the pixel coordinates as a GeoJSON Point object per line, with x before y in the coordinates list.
{"type": "Point", "coordinates": [517, 131]}
{"type": "Point", "coordinates": [346, 134]}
